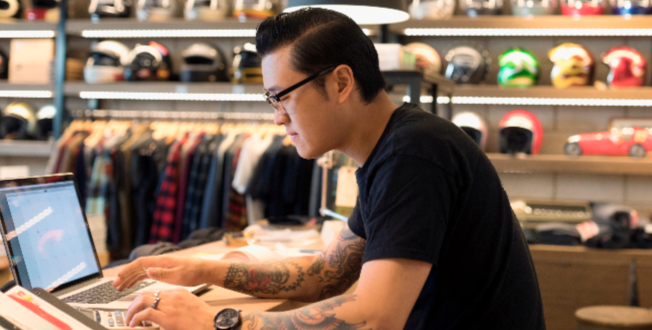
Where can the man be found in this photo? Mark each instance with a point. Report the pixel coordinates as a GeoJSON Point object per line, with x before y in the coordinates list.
{"type": "Point", "coordinates": [432, 242]}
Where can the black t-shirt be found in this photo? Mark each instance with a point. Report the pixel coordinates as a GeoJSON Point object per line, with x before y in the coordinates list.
{"type": "Point", "coordinates": [428, 193]}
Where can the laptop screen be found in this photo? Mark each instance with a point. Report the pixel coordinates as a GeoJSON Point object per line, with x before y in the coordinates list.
{"type": "Point", "coordinates": [47, 234]}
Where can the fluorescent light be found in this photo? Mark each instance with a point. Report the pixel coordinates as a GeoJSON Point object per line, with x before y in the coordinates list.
{"type": "Point", "coordinates": [364, 15]}
{"type": "Point", "coordinates": [473, 32]}
{"type": "Point", "coordinates": [172, 96]}
{"type": "Point", "coordinates": [206, 33]}
{"type": "Point", "coordinates": [534, 101]}
{"type": "Point", "coordinates": [551, 101]}
{"type": "Point", "coordinates": [39, 34]}
{"type": "Point", "coordinates": [27, 94]}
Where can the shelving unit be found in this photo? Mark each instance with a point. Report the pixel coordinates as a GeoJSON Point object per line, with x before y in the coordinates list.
{"type": "Point", "coordinates": [15, 148]}
{"type": "Point", "coordinates": [18, 28]}
{"type": "Point", "coordinates": [25, 90]}
{"type": "Point", "coordinates": [514, 26]}
{"type": "Point", "coordinates": [565, 164]}
{"type": "Point", "coordinates": [179, 28]}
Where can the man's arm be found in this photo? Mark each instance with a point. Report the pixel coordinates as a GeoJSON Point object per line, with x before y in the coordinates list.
{"type": "Point", "coordinates": [308, 278]}
{"type": "Point", "coordinates": [384, 298]}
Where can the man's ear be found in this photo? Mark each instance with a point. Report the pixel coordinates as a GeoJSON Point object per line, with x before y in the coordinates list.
{"type": "Point", "coordinates": [345, 82]}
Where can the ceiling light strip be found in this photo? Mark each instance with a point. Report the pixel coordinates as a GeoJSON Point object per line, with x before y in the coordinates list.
{"type": "Point", "coordinates": [172, 96]}
{"type": "Point", "coordinates": [27, 94]}
{"type": "Point", "coordinates": [39, 34]}
{"type": "Point", "coordinates": [505, 32]}
{"type": "Point", "coordinates": [182, 33]}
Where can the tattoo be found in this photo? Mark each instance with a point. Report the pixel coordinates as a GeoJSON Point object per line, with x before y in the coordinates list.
{"type": "Point", "coordinates": [345, 264]}
{"type": "Point", "coordinates": [315, 317]}
{"type": "Point", "coordinates": [266, 278]}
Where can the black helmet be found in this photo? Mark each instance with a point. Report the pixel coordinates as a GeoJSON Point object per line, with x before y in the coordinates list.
{"type": "Point", "coordinates": [467, 64]}
{"type": "Point", "coordinates": [206, 10]}
{"type": "Point", "coordinates": [149, 62]}
{"type": "Point", "coordinates": [18, 121]}
{"type": "Point", "coordinates": [203, 62]}
{"type": "Point", "coordinates": [10, 9]}
{"type": "Point", "coordinates": [247, 65]}
{"type": "Point", "coordinates": [4, 65]}
{"type": "Point", "coordinates": [110, 8]}
{"type": "Point", "coordinates": [156, 10]}
{"type": "Point", "coordinates": [44, 118]}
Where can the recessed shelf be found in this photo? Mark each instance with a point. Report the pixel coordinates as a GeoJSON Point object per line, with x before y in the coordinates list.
{"type": "Point", "coordinates": [565, 164]}
{"type": "Point", "coordinates": [8, 90]}
{"type": "Point", "coordinates": [542, 26]}
{"type": "Point", "coordinates": [16, 148]}
{"type": "Point", "coordinates": [18, 28]}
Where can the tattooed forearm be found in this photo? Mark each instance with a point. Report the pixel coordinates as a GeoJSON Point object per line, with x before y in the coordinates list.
{"type": "Point", "coordinates": [344, 265]}
{"type": "Point", "coordinates": [266, 278]}
{"type": "Point", "coordinates": [319, 316]}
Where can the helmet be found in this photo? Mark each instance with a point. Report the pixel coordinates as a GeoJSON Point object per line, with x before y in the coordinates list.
{"type": "Point", "coordinates": [10, 9]}
{"type": "Point", "coordinates": [110, 8]}
{"type": "Point", "coordinates": [44, 118]}
{"type": "Point", "coordinates": [627, 67]}
{"type": "Point", "coordinates": [254, 9]}
{"type": "Point", "coordinates": [582, 7]}
{"type": "Point", "coordinates": [206, 10]}
{"type": "Point", "coordinates": [533, 7]}
{"type": "Point", "coordinates": [428, 60]}
{"type": "Point", "coordinates": [105, 64]}
{"type": "Point", "coordinates": [156, 10]}
{"type": "Point", "coordinates": [466, 65]}
{"type": "Point", "coordinates": [520, 132]}
{"type": "Point", "coordinates": [43, 10]}
{"type": "Point", "coordinates": [631, 7]}
{"type": "Point", "coordinates": [18, 121]}
{"type": "Point", "coordinates": [518, 68]}
{"type": "Point", "coordinates": [432, 9]}
{"type": "Point", "coordinates": [4, 65]}
{"type": "Point", "coordinates": [202, 62]}
{"type": "Point", "coordinates": [246, 65]}
{"type": "Point", "coordinates": [573, 65]}
{"type": "Point", "coordinates": [475, 8]}
{"type": "Point", "coordinates": [474, 126]}
{"type": "Point", "coordinates": [148, 62]}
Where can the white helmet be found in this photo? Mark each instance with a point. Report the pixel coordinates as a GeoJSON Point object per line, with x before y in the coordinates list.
{"type": "Point", "coordinates": [474, 126]}
{"type": "Point", "coordinates": [106, 62]}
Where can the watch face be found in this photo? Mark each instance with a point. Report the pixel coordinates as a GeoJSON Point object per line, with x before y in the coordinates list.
{"type": "Point", "coordinates": [227, 319]}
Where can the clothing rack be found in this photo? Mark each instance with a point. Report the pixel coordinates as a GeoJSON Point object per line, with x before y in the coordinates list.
{"type": "Point", "coordinates": [169, 115]}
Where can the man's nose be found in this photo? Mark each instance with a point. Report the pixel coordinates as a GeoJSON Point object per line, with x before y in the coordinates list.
{"type": "Point", "coordinates": [280, 119]}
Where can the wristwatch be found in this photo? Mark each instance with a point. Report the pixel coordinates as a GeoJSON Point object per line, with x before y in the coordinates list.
{"type": "Point", "coordinates": [227, 319]}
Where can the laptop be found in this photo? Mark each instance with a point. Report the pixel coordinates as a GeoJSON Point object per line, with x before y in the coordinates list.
{"type": "Point", "coordinates": [49, 244]}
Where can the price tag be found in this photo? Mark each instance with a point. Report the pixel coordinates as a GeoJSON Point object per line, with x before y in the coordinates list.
{"type": "Point", "coordinates": [347, 187]}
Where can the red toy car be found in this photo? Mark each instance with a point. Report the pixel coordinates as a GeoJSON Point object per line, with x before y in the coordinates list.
{"type": "Point", "coordinates": [635, 141]}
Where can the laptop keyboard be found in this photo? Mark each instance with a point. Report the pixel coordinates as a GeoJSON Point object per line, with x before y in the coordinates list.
{"type": "Point", "coordinates": [104, 293]}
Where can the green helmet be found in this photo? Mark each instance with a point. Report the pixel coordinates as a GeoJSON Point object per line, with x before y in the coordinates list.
{"type": "Point", "coordinates": [518, 68]}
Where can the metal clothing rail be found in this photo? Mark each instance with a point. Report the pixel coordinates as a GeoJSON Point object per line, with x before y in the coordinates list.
{"type": "Point", "coordinates": [172, 115]}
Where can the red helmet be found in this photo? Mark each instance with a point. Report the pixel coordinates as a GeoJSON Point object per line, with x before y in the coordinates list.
{"type": "Point", "coordinates": [520, 132]}
{"type": "Point", "coordinates": [627, 67]}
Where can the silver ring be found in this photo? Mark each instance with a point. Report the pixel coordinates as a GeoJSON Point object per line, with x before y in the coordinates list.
{"type": "Point", "coordinates": [155, 304]}
{"type": "Point", "coordinates": [156, 293]}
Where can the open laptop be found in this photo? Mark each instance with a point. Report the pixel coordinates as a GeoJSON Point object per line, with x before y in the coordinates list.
{"type": "Point", "coordinates": [49, 244]}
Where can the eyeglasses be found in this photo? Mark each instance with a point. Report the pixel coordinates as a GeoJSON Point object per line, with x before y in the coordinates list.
{"type": "Point", "coordinates": [275, 99]}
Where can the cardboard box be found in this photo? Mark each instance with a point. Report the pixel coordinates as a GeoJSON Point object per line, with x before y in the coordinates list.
{"type": "Point", "coordinates": [30, 61]}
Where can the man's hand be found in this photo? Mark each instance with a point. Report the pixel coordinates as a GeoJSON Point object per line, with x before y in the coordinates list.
{"type": "Point", "coordinates": [177, 310]}
{"type": "Point", "coordinates": [167, 269]}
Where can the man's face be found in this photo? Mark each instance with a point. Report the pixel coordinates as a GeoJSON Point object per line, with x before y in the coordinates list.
{"type": "Point", "coordinates": [311, 118]}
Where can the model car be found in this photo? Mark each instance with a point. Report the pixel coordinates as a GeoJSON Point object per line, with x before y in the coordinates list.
{"type": "Point", "coordinates": [633, 141]}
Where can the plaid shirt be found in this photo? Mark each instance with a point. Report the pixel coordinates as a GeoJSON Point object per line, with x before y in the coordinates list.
{"type": "Point", "coordinates": [166, 203]}
{"type": "Point", "coordinates": [236, 219]}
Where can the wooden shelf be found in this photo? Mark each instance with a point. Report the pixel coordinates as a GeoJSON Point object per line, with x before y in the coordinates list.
{"type": "Point", "coordinates": [600, 25]}
{"type": "Point", "coordinates": [185, 29]}
{"type": "Point", "coordinates": [25, 148]}
{"type": "Point", "coordinates": [74, 88]}
{"type": "Point", "coordinates": [8, 90]}
{"type": "Point", "coordinates": [588, 92]}
{"type": "Point", "coordinates": [564, 164]}
{"type": "Point", "coordinates": [25, 25]}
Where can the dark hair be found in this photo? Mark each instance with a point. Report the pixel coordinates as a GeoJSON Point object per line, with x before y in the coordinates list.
{"type": "Point", "coordinates": [322, 38]}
